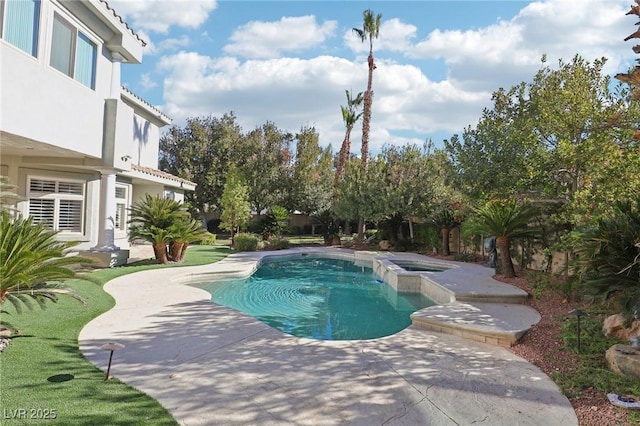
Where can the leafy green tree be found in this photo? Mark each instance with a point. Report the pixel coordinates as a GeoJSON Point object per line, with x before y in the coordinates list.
{"type": "Point", "coordinates": [202, 152]}
{"type": "Point", "coordinates": [236, 209]}
{"type": "Point", "coordinates": [608, 258]}
{"type": "Point", "coordinates": [264, 159]}
{"type": "Point", "coordinates": [408, 185]}
{"type": "Point", "coordinates": [360, 191]}
{"type": "Point", "coordinates": [506, 220]}
{"type": "Point", "coordinates": [33, 265]}
{"type": "Point", "coordinates": [311, 174]}
{"type": "Point", "coordinates": [350, 115]}
{"type": "Point", "coordinates": [370, 30]}
{"type": "Point", "coordinates": [502, 154]}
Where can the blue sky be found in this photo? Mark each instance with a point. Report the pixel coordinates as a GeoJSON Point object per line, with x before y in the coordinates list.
{"type": "Point", "coordinates": [290, 62]}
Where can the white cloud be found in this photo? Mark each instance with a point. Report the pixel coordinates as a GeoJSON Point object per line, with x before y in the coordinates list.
{"type": "Point", "coordinates": [259, 39]}
{"type": "Point", "coordinates": [394, 35]}
{"type": "Point", "coordinates": [294, 92]}
{"type": "Point", "coordinates": [508, 52]}
{"type": "Point", "coordinates": [159, 15]}
{"type": "Point", "coordinates": [409, 105]}
{"type": "Point", "coordinates": [146, 82]}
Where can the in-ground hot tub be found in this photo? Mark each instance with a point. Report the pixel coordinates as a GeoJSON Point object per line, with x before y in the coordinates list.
{"type": "Point", "coordinates": [420, 266]}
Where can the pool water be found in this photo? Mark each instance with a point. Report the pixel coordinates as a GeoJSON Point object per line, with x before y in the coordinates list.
{"type": "Point", "coordinates": [320, 298]}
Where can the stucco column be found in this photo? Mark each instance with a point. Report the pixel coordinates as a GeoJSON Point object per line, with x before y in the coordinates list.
{"type": "Point", "coordinates": [107, 213]}
{"type": "Point", "coordinates": [116, 60]}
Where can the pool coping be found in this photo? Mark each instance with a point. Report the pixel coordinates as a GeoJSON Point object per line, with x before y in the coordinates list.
{"type": "Point", "coordinates": [208, 364]}
{"type": "Point", "coordinates": [470, 303]}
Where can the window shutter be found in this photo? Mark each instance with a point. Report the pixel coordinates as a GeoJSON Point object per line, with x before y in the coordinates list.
{"type": "Point", "coordinates": [70, 216]}
{"type": "Point", "coordinates": [42, 211]}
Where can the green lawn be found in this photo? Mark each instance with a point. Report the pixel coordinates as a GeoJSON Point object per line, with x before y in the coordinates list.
{"type": "Point", "coordinates": [43, 374]}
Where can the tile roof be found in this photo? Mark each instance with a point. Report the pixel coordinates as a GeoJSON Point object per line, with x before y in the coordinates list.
{"type": "Point", "coordinates": [139, 99]}
{"type": "Point", "coordinates": [159, 173]}
{"type": "Point", "coordinates": [112, 10]}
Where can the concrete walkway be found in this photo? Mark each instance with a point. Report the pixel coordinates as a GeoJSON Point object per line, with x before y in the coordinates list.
{"type": "Point", "coordinates": [208, 365]}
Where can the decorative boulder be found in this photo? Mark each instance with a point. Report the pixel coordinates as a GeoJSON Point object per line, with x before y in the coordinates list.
{"type": "Point", "coordinates": [385, 245]}
{"type": "Point", "coordinates": [614, 326]}
{"type": "Point", "coordinates": [624, 360]}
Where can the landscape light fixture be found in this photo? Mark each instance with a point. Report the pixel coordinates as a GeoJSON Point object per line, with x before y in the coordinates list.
{"type": "Point", "coordinates": [578, 313]}
{"type": "Point", "coordinates": [111, 346]}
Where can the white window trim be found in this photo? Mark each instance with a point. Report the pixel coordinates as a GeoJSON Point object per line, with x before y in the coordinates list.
{"type": "Point", "coordinates": [121, 232]}
{"type": "Point", "coordinates": [57, 197]}
{"type": "Point", "coordinates": [78, 27]}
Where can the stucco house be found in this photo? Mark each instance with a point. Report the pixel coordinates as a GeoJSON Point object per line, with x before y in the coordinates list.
{"type": "Point", "coordinates": [80, 147]}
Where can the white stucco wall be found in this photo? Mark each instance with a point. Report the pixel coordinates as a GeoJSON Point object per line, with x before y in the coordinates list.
{"type": "Point", "coordinates": [146, 137]}
{"type": "Point", "coordinates": [40, 103]}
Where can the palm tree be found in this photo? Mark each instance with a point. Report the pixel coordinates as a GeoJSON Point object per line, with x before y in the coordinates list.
{"type": "Point", "coordinates": [8, 197]}
{"type": "Point", "coordinates": [505, 220]}
{"type": "Point", "coordinates": [370, 30]}
{"type": "Point", "coordinates": [608, 258]}
{"type": "Point", "coordinates": [151, 219]}
{"type": "Point", "coordinates": [33, 265]}
{"type": "Point", "coordinates": [445, 220]}
{"type": "Point", "coordinates": [350, 116]}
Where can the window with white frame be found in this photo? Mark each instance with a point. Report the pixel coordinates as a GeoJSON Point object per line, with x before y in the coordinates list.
{"type": "Point", "coordinates": [122, 203]}
{"type": "Point", "coordinates": [19, 23]}
{"type": "Point", "coordinates": [72, 52]}
{"type": "Point", "coordinates": [59, 204]}
{"type": "Point", "coordinates": [169, 194]}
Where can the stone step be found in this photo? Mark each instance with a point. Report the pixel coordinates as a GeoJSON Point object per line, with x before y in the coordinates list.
{"type": "Point", "coordinates": [501, 324]}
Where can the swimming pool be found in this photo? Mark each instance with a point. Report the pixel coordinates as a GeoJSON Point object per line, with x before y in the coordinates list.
{"type": "Point", "coordinates": [319, 298]}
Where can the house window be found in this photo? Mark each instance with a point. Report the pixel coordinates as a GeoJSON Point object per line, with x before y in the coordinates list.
{"type": "Point", "coordinates": [19, 24]}
{"type": "Point", "coordinates": [72, 52]}
{"type": "Point", "coordinates": [122, 202]}
{"type": "Point", "coordinates": [59, 204]}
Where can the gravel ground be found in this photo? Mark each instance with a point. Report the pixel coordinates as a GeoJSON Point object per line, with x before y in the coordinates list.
{"type": "Point", "coordinates": [541, 347]}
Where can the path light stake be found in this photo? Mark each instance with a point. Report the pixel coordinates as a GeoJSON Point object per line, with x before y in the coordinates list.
{"type": "Point", "coordinates": [578, 313]}
{"type": "Point", "coordinates": [111, 346]}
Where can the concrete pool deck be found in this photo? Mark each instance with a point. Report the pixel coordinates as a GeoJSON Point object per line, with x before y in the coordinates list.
{"type": "Point", "coordinates": [208, 364]}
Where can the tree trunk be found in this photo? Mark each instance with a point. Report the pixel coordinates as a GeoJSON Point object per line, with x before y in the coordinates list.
{"type": "Point", "coordinates": [366, 117]}
{"type": "Point", "coordinates": [160, 251]}
{"type": "Point", "coordinates": [176, 251]}
{"type": "Point", "coordinates": [444, 232]}
{"type": "Point", "coordinates": [342, 158]}
{"type": "Point", "coordinates": [360, 237]}
{"type": "Point", "coordinates": [502, 244]}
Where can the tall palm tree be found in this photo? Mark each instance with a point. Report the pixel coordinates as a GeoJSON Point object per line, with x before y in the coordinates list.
{"type": "Point", "coordinates": [350, 116]}
{"type": "Point", "coordinates": [370, 30]}
{"type": "Point", "coordinates": [505, 220]}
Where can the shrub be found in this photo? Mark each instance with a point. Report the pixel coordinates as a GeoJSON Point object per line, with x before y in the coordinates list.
{"type": "Point", "coordinates": [245, 242]}
{"type": "Point", "coordinates": [278, 243]}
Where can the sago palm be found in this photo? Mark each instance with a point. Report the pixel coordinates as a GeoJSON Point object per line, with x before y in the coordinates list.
{"type": "Point", "coordinates": [33, 265]}
{"type": "Point", "coordinates": [505, 220]}
{"type": "Point", "coordinates": [150, 221]}
{"type": "Point", "coordinates": [608, 258]}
